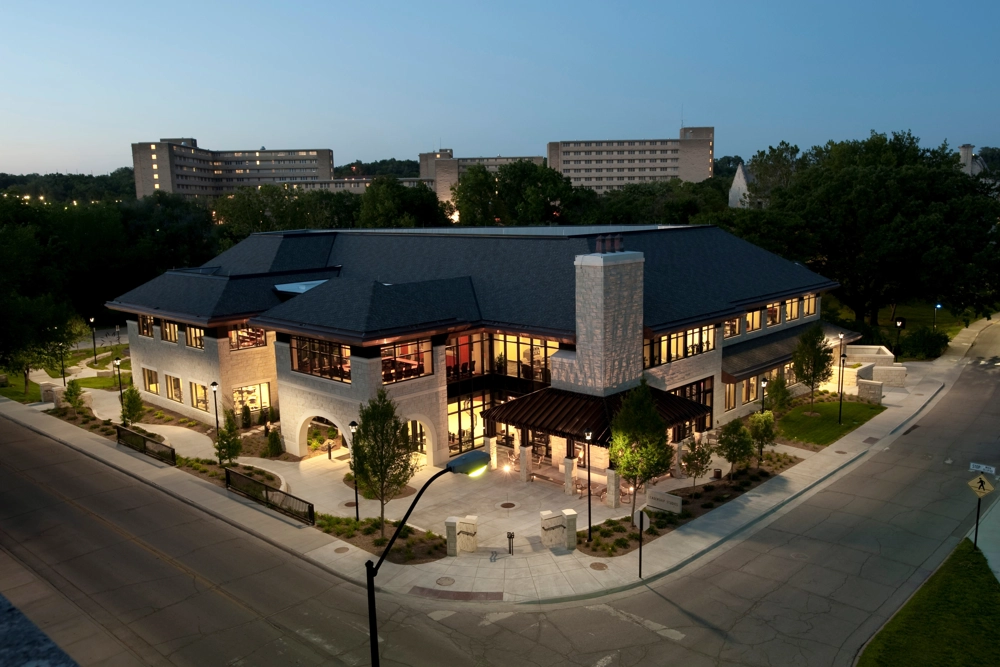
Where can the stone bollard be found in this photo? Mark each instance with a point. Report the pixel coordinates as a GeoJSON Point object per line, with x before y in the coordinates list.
{"type": "Point", "coordinates": [46, 390]}
{"type": "Point", "coordinates": [525, 463]}
{"type": "Point", "coordinates": [614, 497]}
{"type": "Point", "coordinates": [491, 447]}
{"type": "Point", "coordinates": [871, 391]}
{"type": "Point", "coordinates": [451, 534]}
{"type": "Point", "coordinates": [467, 529]}
{"type": "Point", "coordinates": [569, 521]}
{"type": "Point", "coordinates": [569, 471]}
{"type": "Point", "coordinates": [553, 529]}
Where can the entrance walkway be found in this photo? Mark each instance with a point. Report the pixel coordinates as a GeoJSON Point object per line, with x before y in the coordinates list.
{"type": "Point", "coordinates": [532, 573]}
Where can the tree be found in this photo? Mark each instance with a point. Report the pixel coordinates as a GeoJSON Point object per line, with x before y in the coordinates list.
{"type": "Point", "coordinates": [697, 459]}
{"type": "Point", "coordinates": [530, 194]}
{"type": "Point", "coordinates": [735, 444]}
{"type": "Point", "coordinates": [772, 170]}
{"type": "Point", "coordinates": [991, 156]}
{"type": "Point", "coordinates": [131, 406]}
{"type": "Point", "coordinates": [245, 416]}
{"type": "Point", "coordinates": [387, 203]}
{"type": "Point", "coordinates": [228, 443]}
{"type": "Point", "coordinates": [381, 459]}
{"type": "Point", "coordinates": [274, 447]}
{"type": "Point", "coordinates": [475, 197]}
{"type": "Point", "coordinates": [390, 167]}
{"type": "Point", "coordinates": [726, 165]}
{"type": "Point", "coordinates": [777, 393]}
{"type": "Point", "coordinates": [639, 449]}
{"type": "Point", "coordinates": [812, 359]}
{"type": "Point", "coordinates": [74, 395]}
{"type": "Point", "coordinates": [762, 432]}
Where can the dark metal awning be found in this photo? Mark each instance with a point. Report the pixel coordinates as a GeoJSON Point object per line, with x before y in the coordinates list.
{"type": "Point", "coordinates": [567, 414]}
{"type": "Point", "coordinates": [760, 355]}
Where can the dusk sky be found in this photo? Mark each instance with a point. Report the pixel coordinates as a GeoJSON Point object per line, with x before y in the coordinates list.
{"type": "Point", "coordinates": [373, 80]}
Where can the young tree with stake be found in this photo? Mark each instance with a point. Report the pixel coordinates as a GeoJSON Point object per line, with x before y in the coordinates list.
{"type": "Point", "coordinates": [762, 432]}
{"type": "Point", "coordinates": [812, 360]}
{"type": "Point", "coordinates": [735, 444]}
{"type": "Point", "coordinates": [698, 459]}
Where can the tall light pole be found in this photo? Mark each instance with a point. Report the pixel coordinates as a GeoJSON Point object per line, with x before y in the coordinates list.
{"type": "Point", "coordinates": [215, 398]}
{"type": "Point", "coordinates": [840, 414]}
{"type": "Point", "coordinates": [763, 393]}
{"type": "Point", "coordinates": [937, 307]}
{"type": "Point", "coordinates": [900, 325]}
{"type": "Point", "coordinates": [357, 511]}
{"type": "Point", "coordinates": [121, 396]}
{"type": "Point", "coordinates": [588, 435]}
{"type": "Point", "coordinates": [473, 464]}
{"type": "Point", "coordinates": [93, 333]}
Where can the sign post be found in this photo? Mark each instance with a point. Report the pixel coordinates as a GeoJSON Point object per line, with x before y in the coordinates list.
{"type": "Point", "coordinates": [981, 487]}
{"type": "Point", "coordinates": [640, 514]}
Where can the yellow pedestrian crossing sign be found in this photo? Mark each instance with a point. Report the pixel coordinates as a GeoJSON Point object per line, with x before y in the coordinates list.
{"type": "Point", "coordinates": [981, 486]}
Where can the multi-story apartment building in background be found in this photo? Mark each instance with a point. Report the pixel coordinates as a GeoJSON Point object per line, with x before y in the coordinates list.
{"type": "Point", "coordinates": [179, 166]}
{"type": "Point", "coordinates": [610, 165]}
{"type": "Point", "coordinates": [445, 169]}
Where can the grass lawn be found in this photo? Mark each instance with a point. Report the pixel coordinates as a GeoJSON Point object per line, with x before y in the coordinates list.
{"type": "Point", "coordinates": [824, 429]}
{"type": "Point", "coordinates": [951, 620]}
{"type": "Point", "coordinates": [103, 383]}
{"type": "Point", "coordinates": [15, 389]}
{"type": "Point", "coordinates": [917, 314]}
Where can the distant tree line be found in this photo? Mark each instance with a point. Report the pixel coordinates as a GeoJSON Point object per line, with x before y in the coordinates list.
{"type": "Point", "coordinates": [119, 185]}
{"type": "Point", "coordinates": [390, 167]}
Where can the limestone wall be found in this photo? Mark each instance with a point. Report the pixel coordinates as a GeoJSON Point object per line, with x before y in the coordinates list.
{"type": "Point", "coordinates": [890, 376]}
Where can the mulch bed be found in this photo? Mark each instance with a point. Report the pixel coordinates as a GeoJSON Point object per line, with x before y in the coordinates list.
{"type": "Point", "coordinates": [349, 483]}
{"type": "Point", "coordinates": [617, 537]}
{"type": "Point", "coordinates": [85, 419]}
{"type": "Point", "coordinates": [211, 471]}
{"type": "Point", "coordinates": [158, 415]}
{"type": "Point", "coordinates": [412, 547]}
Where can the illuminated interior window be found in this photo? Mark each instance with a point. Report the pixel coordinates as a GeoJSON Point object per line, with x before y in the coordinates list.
{"type": "Point", "coordinates": [154, 156]}
{"type": "Point", "coordinates": [156, 166]}
{"type": "Point", "coordinates": [156, 176]}
{"type": "Point", "coordinates": [156, 186]}
{"type": "Point", "coordinates": [153, 146]}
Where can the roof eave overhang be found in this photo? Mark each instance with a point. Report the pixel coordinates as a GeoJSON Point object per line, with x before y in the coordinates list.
{"type": "Point", "coordinates": [184, 318]}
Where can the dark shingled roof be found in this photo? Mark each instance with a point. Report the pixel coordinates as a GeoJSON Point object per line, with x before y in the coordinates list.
{"type": "Point", "coordinates": [521, 281]}
{"type": "Point", "coordinates": [568, 414]}
{"type": "Point", "coordinates": [753, 357]}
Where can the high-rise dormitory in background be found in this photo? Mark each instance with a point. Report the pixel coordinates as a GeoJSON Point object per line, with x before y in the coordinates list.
{"type": "Point", "coordinates": [181, 167]}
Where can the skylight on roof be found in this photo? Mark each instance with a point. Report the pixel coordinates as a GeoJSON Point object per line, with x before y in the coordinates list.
{"type": "Point", "coordinates": [299, 287]}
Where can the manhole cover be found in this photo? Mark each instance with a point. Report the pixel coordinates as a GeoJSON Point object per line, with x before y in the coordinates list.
{"type": "Point", "coordinates": [507, 506]}
{"type": "Point", "coordinates": [350, 503]}
{"type": "Point", "coordinates": [341, 550]}
{"type": "Point", "coordinates": [445, 581]}
{"type": "Point", "coordinates": [598, 566]}
{"type": "Point", "coordinates": [839, 452]}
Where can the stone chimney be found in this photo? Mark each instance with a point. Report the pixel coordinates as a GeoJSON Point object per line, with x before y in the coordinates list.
{"type": "Point", "coordinates": [609, 320]}
{"type": "Point", "coordinates": [965, 151]}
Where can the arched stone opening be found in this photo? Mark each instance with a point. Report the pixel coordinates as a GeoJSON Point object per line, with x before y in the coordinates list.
{"type": "Point", "coordinates": [317, 430]}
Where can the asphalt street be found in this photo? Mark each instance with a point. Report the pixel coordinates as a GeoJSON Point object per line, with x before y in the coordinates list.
{"type": "Point", "coordinates": [809, 587]}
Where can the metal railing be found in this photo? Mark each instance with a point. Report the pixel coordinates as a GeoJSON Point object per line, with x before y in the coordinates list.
{"type": "Point", "coordinates": [277, 500]}
{"type": "Point", "coordinates": [146, 445]}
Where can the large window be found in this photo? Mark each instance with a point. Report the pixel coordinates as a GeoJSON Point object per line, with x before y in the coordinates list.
{"type": "Point", "coordinates": [321, 358]}
{"type": "Point", "coordinates": [195, 337]}
{"type": "Point", "coordinates": [465, 425]}
{"type": "Point", "coordinates": [466, 356]}
{"type": "Point", "coordinates": [146, 326]}
{"type": "Point", "coordinates": [199, 396]}
{"type": "Point", "coordinates": [749, 390]}
{"type": "Point", "coordinates": [257, 396]}
{"type": "Point", "coordinates": [731, 328]}
{"type": "Point", "coordinates": [523, 357]}
{"type": "Point", "coordinates": [699, 392]}
{"type": "Point", "coordinates": [174, 392]}
{"type": "Point", "coordinates": [791, 310]}
{"type": "Point", "coordinates": [789, 372]}
{"type": "Point", "coordinates": [730, 396]}
{"type": "Point", "coordinates": [405, 361]}
{"type": "Point", "coordinates": [168, 331]}
{"type": "Point", "coordinates": [753, 320]}
{"type": "Point", "coordinates": [773, 314]}
{"type": "Point", "coordinates": [242, 337]}
{"type": "Point", "coordinates": [809, 305]}
{"type": "Point", "coordinates": [151, 381]}
{"type": "Point", "coordinates": [678, 345]}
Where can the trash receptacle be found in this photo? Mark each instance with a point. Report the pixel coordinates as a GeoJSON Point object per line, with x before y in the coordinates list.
{"type": "Point", "coordinates": [717, 473]}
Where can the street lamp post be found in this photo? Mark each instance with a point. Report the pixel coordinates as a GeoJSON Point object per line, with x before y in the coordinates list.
{"type": "Point", "coordinates": [900, 325]}
{"type": "Point", "coordinates": [473, 464]}
{"type": "Point", "coordinates": [93, 333]}
{"type": "Point", "coordinates": [763, 393]}
{"type": "Point", "coordinates": [840, 380]}
{"type": "Point", "coordinates": [121, 396]}
{"type": "Point", "coordinates": [588, 435]}
{"type": "Point", "coordinates": [215, 398]}
{"type": "Point", "coordinates": [357, 512]}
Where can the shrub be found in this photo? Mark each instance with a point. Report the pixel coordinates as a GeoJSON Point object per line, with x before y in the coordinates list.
{"type": "Point", "coordinates": [708, 505]}
{"type": "Point", "coordinates": [158, 414]}
{"type": "Point", "coordinates": [622, 543]}
{"type": "Point", "coordinates": [619, 528]}
{"type": "Point", "coordinates": [245, 417]}
{"type": "Point", "coordinates": [606, 532]}
{"type": "Point", "coordinates": [106, 422]}
{"type": "Point", "coordinates": [686, 514]}
{"type": "Point", "coordinates": [272, 413]}
{"type": "Point", "coordinates": [274, 447]}
{"type": "Point", "coordinates": [652, 531]}
{"type": "Point", "coordinates": [763, 473]}
{"type": "Point", "coordinates": [262, 417]}
{"type": "Point", "coordinates": [95, 426]}
{"type": "Point", "coordinates": [380, 541]}
{"type": "Point", "coordinates": [368, 530]}
{"type": "Point", "coordinates": [696, 495]}
{"type": "Point", "coordinates": [633, 536]}
{"type": "Point", "coordinates": [167, 418]}
{"type": "Point", "coordinates": [708, 487]}
{"type": "Point", "coordinates": [131, 406]}
{"type": "Point", "coordinates": [778, 396]}
{"type": "Point", "coordinates": [74, 395]}
{"type": "Point", "coordinates": [610, 523]}
{"type": "Point", "coordinates": [924, 343]}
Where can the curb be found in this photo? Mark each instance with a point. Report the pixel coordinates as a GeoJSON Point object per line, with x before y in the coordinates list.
{"type": "Point", "coordinates": [191, 503]}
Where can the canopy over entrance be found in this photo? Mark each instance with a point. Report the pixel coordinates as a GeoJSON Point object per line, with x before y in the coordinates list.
{"type": "Point", "coordinates": [567, 414]}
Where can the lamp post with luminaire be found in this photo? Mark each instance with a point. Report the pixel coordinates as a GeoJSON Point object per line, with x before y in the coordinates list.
{"type": "Point", "coordinates": [215, 398]}
{"type": "Point", "coordinates": [588, 436]}
{"type": "Point", "coordinates": [763, 393]}
{"type": "Point", "coordinates": [121, 395]}
{"type": "Point", "coordinates": [937, 307]}
{"type": "Point", "coordinates": [93, 334]}
{"type": "Point", "coordinates": [840, 380]}
{"type": "Point", "coordinates": [357, 512]}
{"type": "Point", "coordinates": [473, 464]}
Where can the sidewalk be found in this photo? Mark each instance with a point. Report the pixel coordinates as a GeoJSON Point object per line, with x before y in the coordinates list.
{"type": "Point", "coordinates": [533, 573]}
